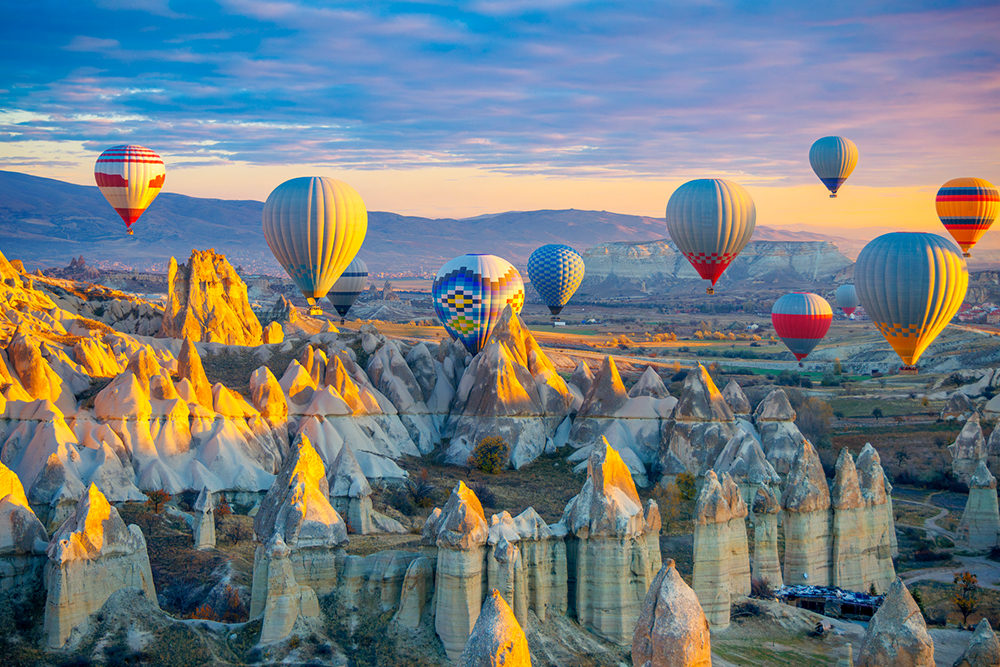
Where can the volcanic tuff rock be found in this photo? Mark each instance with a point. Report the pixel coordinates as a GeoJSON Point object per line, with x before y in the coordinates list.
{"type": "Point", "coordinates": [459, 531]}
{"type": "Point", "coordinates": [672, 630]}
{"type": "Point", "coordinates": [959, 407]}
{"type": "Point", "coordinates": [736, 399]}
{"type": "Point", "coordinates": [582, 378]}
{"type": "Point", "coordinates": [983, 650]}
{"type": "Point", "coordinates": [702, 425]}
{"type": "Point", "coordinates": [980, 524]}
{"type": "Point", "coordinates": [22, 547]}
{"type": "Point", "coordinates": [743, 459]}
{"type": "Point", "coordinates": [204, 521]}
{"type": "Point", "coordinates": [968, 449]}
{"type": "Point", "coordinates": [897, 634]}
{"type": "Point", "coordinates": [92, 555]}
{"type": "Point", "coordinates": [849, 541]}
{"type": "Point", "coordinates": [806, 503]}
{"type": "Point", "coordinates": [391, 375]}
{"type": "Point", "coordinates": [780, 437]}
{"type": "Point", "coordinates": [497, 638]}
{"type": "Point", "coordinates": [612, 548]}
{"type": "Point", "coordinates": [721, 560]}
{"type": "Point", "coordinates": [207, 301]}
{"type": "Point", "coordinates": [878, 496]}
{"type": "Point", "coordinates": [766, 565]}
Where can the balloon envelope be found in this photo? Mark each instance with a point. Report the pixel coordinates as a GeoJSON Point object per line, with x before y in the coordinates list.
{"type": "Point", "coordinates": [847, 298]}
{"type": "Point", "coordinates": [833, 159]}
{"type": "Point", "coordinates": [801, 320]}
{"type": "Point", "coordinates": [555, 271]}
{"type": "Point", "coordinates": [315, 227]}
{"type": "Point", "coordinates": [129, 177]}
{"type": "Point", "coordinates": [911, 285]}
{"type": "Point", "coordinates": [470, 292]}
{"type": "Point", "coordinates": [349, 285]}
{"type": "Point", "coordinates": [710, 220]}
{"type": "Point", "coordinates": [967, 207]}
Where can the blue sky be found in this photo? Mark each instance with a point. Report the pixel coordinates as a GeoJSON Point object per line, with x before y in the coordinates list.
{"type": "Point", "coordinates": [494, 95]}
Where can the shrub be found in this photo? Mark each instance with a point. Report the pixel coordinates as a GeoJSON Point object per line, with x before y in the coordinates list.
{"type": "Point", "coordinates": [156, 498]}
{"type": "Point", "coordinates": [421, 490]}
{"type": "Point", "coordinates": [994, 554]}
{"type": "Point", "coordinates": [485, 494]}
{"type": "Point", "coordinates": [490, 455]}
{"type": "Point", "coordinates": [927, 555]}
{"type": "Point", "coordinates": [686, 485]}
{"type": "Point", "coordinates": [760, 587]}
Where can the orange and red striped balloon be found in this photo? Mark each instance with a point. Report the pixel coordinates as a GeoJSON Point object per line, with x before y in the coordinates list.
{"type": "Point", "coordinates": [801, 320]}
{"type": "Point", "coordinates": [967, 207]}
{"type": "Point", "coordinates": [129, 177]}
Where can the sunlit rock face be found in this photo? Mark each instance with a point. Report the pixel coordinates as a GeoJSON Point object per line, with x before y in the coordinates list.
{"type": "Point", "coordinates": [92, 555]}
{"type": "Point", "coordinates": [721, 560]}
{"type": "Point", "coordinates": [897, 633]}
{"type": "Point", "coordinates": [22, 546]}
{"type": "Point", "coordinates": [459, 531]}
{"type": "Point", "coordinates": [391, 375]}
{"type": "Point", "coordinates": [968, 450]}
{"type": "Point", "coordinates": [672, 630]}
{"type": "Point", "coordinates": [510, 389]}
{"type": "Point", "coordinates": [207, 301]}
{"type": "Point", "coordinates": [702, 424]}
{"type": "Point", "coordinates": [980, 524]}
{"type": "Point", "coordinates": [806, 505]}
{"type": "Point", "coordinates": [983, 649]}
{"type": "Point", "coordinates": [497, 638]}
{"type": "Point", "coordinates": [780, 438]}
{"type": "Point", "coordinates": [299, 536]}
{"type": "Point", "coordinates": [611, 558]}
{"type": "Point", "coordinates": [766, 564]}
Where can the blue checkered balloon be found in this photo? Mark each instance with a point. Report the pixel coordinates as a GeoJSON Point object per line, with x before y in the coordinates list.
{"type": "Point", "coordinates": [470, 292]}
{"type": "Point", "coordinates": [555, 271]}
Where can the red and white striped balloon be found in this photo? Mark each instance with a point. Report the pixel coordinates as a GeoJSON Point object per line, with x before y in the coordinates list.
{"type": "Point", "coordinates": [129, 177]}
{"type": "Point", "coordinates": [801, 320]}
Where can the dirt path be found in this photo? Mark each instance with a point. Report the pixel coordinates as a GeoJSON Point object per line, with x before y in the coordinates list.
{"type": "Point", "coordinates": [930, 524]}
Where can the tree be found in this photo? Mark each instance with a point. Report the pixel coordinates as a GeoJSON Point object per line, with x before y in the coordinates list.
{"type": "Point", "coordinates": [669, 500]}
{"type": "Point", "coordinates": [837, 369]}
{"type": "Point", "coordinates": [686, 485]}
{"type": "Point", "coordinates": [901, 456]}
{"type": "Point", "coordinates": [966, 596]}
{"type": "Point", "coordinates": [813, 419]}
{"type": "Point", "coordinates": [877, 413]}
{"type": "Point", "coordinates": [156, 498]}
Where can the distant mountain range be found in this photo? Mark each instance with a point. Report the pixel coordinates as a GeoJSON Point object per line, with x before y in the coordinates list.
{"type": "Point", "coordinates": [46, 222]}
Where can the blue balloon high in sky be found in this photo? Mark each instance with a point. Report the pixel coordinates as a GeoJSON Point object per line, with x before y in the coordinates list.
{"type": "Point", "coordinates": [555, 271]}
{"type": "Point", "coordinates": [833, 159]}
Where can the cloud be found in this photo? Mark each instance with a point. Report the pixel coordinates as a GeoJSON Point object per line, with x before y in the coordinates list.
{"type": "Point", "coordinates": [95, 44]}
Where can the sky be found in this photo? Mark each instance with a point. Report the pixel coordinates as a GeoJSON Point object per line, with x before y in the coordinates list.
{"type": "Point", "coordinates": [464, 108]}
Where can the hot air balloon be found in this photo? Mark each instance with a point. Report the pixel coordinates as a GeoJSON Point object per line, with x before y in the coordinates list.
{"type": "Point", "coordinates": [129, 177]}
{"type": "Point", "coordinates": [833, 159]}
{"type": "Point", "coordinates": [847, 299]}
{"type": "Point", "coordinates": [801, 319]}
{"type": "Point", "coordinates": [911, 285]}
{"type": "Point", "coordinates": [470, 292]}
{"type": "Point", "coordinates": [967, 207]}
{"type": "Point", "coordinates": [555, 272]}
{"type": "Point", "coordinates": [710, 221]}
{"type": "Point", "coordinates": [349, 285]}
{"type": "Point", "coordinates": [315, 227]}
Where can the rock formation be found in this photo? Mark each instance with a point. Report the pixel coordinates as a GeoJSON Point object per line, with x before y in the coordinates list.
{"type": "Point", "coordinates": [721, 561]}
{"type": "Point", "coordinates": [983, 650]}
{"type": "Point", "coordinates": [510, 389]}
{"type": "Point", "coordinates": [780, 437]}
{"type": "Point", "coordinates": [542, 554]}
{"type": "Point", "coordinates": [897, 634]}
{"type": "Point", "coordinates": [959, 407]}
{"type": "Point", "coordinates": [610, 562]}
{"type": "Point", "coordinates": [22, 546]}
{"type": "Point", "coordinates": [416, 592]}
{"type": "Point", "coordinates": [968, 449]}
{"type": "Point", "coordinates": [980, 524]}
{"type": "Point", "coordinates": [672, 630]}
{"type": "Point", "coordinates": [350, 495]}
{"type": "Point", "coordinates": [877, 493]}
{"type": "Point", "coordinates": [497, 638]}
{"type": "Point", "coordinates": [849, 538]}
{"type": "Point", "coordinates": [207, 301]}
{"type": "Point", "coordinates": [204, 521]}
{"type": "Point", "coordinates": [736, 399]}
{"type": "Point", "coordinates": [702, 425]}
{"type": "Point", "coordinates": [92, 555]}
{"type": "Point", "coordinates": [459, 531]}
{"type": "Point", "coordinates": [743, 459]}
{"type": "Point", "coordinates": [806, 505]}
{"type": "Point", "coordinates": [766, 565]}
{"type": "Point", "coordinates": [298, 535]}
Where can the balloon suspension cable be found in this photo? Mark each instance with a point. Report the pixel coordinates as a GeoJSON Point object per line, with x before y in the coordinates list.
{"type": "Point", "coordinates": [908, 370]}
{"type": "Point", "coordinates": [710, 290]}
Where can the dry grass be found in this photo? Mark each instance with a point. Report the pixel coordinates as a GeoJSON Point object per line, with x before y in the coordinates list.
{"type": "Point", "coordinates": [938, 605]}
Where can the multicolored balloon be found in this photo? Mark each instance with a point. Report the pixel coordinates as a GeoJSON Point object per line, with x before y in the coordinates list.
{"type": "Point", "coordinates": [833, 159]}
{"type": "Point", "coordinates": [129, 177]}
{"type": "Point", "coordinates": [847, 299]}
{"type": "Point", "coordinates": [555, 271]}
{"type": "Point", "coordinates": [349, 285]}
{"type": "Point", "coordinates": [967, 207]}
{"type": "Point", "coordinates": [911, 285]}
{"type": "Point", "coordinates": [314, 226]}
{"type": "Point", "coordinates": [801, 320]}
{"type": "Point", "coordinates": [470, 292]}
{"type": "Point", "coordinates": [710, 220]}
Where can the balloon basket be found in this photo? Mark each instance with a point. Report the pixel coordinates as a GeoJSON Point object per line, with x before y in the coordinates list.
{"type": "Point", "coordinates": [907, 370]}
{"type": "Point", "coordinates": [833, 196]}
{"type": "Point", "coordinates": [801, 365]}
{"type": "Point", "coordinates": [130, 232]}
{"type": "Point", "coordinates": [315, 311]}
{"type": "Point", "coordinates": [710, 290]}
{"type": "Point", "coordinates": [342, 321]}
{"type": "Point", "coordinates": [966, 254]}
